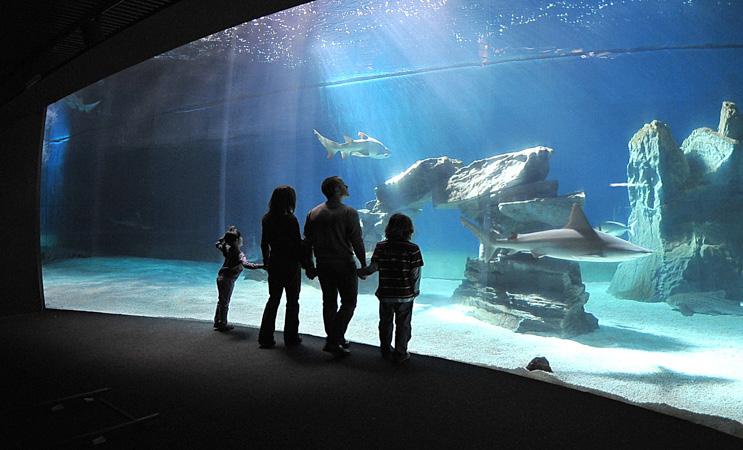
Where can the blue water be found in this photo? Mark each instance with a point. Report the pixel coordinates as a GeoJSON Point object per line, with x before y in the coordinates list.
{"type": "Point", "coordinates": [188, 142]}
{"type": "Point", "coordinates": [197, 138]}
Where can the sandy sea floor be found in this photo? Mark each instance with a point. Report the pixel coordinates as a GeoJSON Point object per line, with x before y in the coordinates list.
{"type": "Point", "coordinates": [643, 353]}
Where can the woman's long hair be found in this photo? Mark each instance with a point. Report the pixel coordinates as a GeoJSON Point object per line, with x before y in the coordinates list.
{"type": "Point", "coordinates": [283, 201]}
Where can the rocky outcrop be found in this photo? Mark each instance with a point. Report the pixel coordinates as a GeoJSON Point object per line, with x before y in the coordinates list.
{"type": "Point", "coordinates": [510, 193]}
{"type": "Point", "coordinates": [407, 192]}
{"type": "Point", "coordinates": [731, 123]}
{"type": "Point", "coordinates": [711, 157]}
{"type": "Point", "coordinates": [541, 213]}
{"type": "Point", "coordinates": [420, 183]}
{"type": "Point", "coordinates": [687, 206]}
{"type": "Point", "coordinates": [491, 177]}
{"type": "Point", "coordinates": [528, 295]}
{"type": "Point", "coordinates": [539, 363]}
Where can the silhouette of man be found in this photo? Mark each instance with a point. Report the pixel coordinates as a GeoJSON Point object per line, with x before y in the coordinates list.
{"type": "Point", "coordinates": [332, 233]}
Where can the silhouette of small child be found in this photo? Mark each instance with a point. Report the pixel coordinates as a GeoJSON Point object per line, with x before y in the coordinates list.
{"type": "Point", "coordinates": [399, 264]}
{"type": "Point", "coordinates": [234, 261]}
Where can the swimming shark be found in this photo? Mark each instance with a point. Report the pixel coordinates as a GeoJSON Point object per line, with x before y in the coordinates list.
{"type": "Point", "coordinates": [133, 222]}
{"type": "Point", "coordinates": [363, 147]}
{"type": "Point", "coordinates": [576, 241]}
{"type": "Point", "coordinates": [75, 102]}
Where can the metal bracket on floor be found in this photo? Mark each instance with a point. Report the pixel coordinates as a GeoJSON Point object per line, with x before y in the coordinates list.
{"type": "Point", "coordinates": [94, 437]}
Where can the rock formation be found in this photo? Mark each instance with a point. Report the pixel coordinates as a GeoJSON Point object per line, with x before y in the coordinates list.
{"type": "Point", "coordinates": [508, 193]}
{"type": "Point", "coordinates": [539, 363]}
{"type": "Point", "coordinates": [422, 182]}
{"type": "Point", "coordinates": [687, 205]}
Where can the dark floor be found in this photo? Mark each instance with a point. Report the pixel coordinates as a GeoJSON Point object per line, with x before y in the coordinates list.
{"type": "Point", "coordinates": [215, 390]}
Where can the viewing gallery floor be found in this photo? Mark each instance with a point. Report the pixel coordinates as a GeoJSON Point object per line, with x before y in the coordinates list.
{"type": "Point", "coordinates": [649, 354]}
{"type": "Point", "coordinates": [219, 390]}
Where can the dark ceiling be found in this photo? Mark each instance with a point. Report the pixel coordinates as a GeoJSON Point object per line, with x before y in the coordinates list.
{"type": "Point", "coordinates": [39, 36]}
{"type": "Point", "coordinates": [51, 48]}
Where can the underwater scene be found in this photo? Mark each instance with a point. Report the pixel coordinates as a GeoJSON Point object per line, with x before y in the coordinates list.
{"type": "Point", "coordinates": [573, 170]}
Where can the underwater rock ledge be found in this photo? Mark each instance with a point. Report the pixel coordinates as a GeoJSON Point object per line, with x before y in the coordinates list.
{"type": "Point", "coordinates": [508, 192]}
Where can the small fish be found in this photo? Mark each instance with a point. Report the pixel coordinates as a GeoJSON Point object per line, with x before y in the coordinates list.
{"type": "Point", "coordinates": [363, 147]}
{"type": "Point", "coordinates": [613, 228]}
{"type": "Point", "coordinates": [626, 184]}
{"type": "Point", "coordinates": [483, 50]}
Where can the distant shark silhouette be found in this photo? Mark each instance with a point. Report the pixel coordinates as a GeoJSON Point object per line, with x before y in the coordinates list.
{"type": "Point", "coordinates": [364, 147]}
{"type": "Point", "coordinates": [134, 222]}
{"type": "Point", "coordinates": [577, 241]}
{"type": "Point", "coordinates": [75, 102]}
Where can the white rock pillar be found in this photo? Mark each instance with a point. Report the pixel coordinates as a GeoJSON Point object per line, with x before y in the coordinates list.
{"type": "Point", "coordinates": [731, 123]}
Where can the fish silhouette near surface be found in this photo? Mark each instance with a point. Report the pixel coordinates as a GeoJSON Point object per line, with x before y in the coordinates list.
{"type": "Point", "coordinates": [576, 241]}
{"type": "Point", "coordinates": [363, 147]}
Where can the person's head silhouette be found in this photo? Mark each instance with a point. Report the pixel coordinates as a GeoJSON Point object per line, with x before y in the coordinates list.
{"type": "Point", "coordinates": [334, 188]}
{"type": "Point", "coordinates": [399, 228]}
{"type": "Point", "coordinates": [283, 201]}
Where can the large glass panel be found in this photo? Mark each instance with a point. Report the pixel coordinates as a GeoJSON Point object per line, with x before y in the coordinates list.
{"type": "Point", "coordinates": [499, 117]}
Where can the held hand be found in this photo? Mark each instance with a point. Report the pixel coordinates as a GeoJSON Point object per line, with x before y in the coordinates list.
{"type": "Point", "coordinates": [311, 273]}
{"type": "Point", "coordinates": [361, 273]}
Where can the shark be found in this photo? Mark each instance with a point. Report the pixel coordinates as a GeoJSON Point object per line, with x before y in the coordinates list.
{"type": "Point", "coordinates": [363, 147]}
{"type": "Point", "coordinates": [576, 241]}
{"type": "Point", "coordinates": [75, 102]}
{"type": "Point", "coordinates": [134, 222]}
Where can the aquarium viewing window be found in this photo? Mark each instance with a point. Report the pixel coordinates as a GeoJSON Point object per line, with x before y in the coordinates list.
{"type": "Point", "coordinates": [572, 169]}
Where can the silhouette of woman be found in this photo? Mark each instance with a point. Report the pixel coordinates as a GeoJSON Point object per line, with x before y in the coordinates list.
{"type": "Point", "coordinates": [281, 247]}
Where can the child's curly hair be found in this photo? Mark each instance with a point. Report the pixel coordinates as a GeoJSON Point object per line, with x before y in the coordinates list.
{"type": "Point", "coordinates": [399, 228]}
{"type": "Point", "coordinates": [232, 235]}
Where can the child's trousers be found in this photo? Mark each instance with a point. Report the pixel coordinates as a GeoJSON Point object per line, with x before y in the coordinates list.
{"type": "Point", "coordinates": [225, 285]}
{"type": "Point", "coordinates": [402, 313]}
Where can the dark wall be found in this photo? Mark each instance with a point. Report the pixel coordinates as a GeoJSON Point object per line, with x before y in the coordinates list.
{"type": "Point", "coordinates": [20, 276]}
{"type": "Point", "coordinates": [22, 123]}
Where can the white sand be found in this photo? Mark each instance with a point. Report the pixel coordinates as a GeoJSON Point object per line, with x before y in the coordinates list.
{"type": "Point", "coordinates": [642, 353]}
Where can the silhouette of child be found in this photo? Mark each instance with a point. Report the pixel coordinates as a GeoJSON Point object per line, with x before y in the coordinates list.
{"type": "Point", "coordinates": [234, 261]}
{"type": "Point", "coordinates": [399, 264]}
